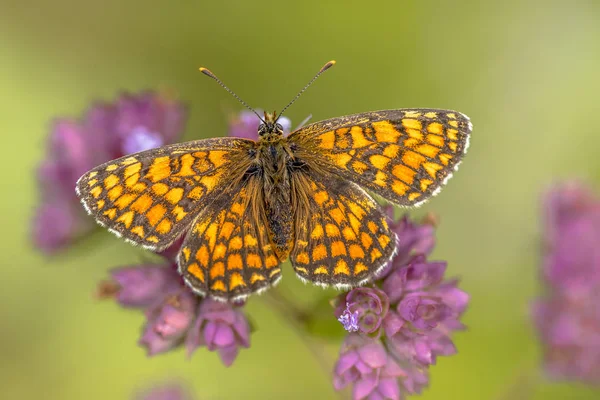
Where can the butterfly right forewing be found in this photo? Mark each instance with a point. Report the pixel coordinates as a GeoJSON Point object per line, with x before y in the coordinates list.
{"type": "Point", "coordinates": [403, 155]}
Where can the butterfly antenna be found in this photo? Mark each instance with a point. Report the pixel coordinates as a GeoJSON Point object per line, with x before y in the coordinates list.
{"type": "Point", "coordinates": [323, 69]}
{"type": "Point", "coordinates": [208, 73]}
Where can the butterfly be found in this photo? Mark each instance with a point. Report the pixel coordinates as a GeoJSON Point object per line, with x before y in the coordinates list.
{"type": "Point", "coordinates": [245, 206]}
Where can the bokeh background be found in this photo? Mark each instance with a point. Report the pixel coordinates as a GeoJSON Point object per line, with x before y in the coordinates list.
{"type": "Point", "coordinates": [526, 72]}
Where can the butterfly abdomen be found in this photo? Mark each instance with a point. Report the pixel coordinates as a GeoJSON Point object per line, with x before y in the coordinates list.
{"type": "Point", "coordinates": [279, 218]}
{"type": "Point", "coordinates": [273, 160]}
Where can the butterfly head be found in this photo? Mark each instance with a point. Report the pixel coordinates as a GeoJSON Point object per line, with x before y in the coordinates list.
{"type": "Point", "coordinates": [269, 126]}
{"type": "Point", "coordinates": [269, 129]}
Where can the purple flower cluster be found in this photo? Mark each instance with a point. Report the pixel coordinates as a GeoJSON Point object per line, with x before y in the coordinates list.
{"type": "Point", "coordinates": [107, 131]}
{"type": "Point", "coordinates": [400, 324]}
{"type": "Point", "coordinates": [568, 316]}
{"type": "Point", "coordinates": [175, 315]}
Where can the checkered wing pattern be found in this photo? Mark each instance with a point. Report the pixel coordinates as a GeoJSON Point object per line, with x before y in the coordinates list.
{"type": "Point", "coordinates": [151, 198]}
{"type": "Point", "coordinates": [342, 236]}
{"type": "Point", "coordinates": [404, 155]}
{"type": "Point", "coordinates": [228, 254]}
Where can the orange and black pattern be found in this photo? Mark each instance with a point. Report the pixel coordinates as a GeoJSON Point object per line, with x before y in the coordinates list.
{"type": "Point", "coordinates": [346, 239]}
{"type": "Point", "coordinates": [152, 197]}
{"type": "Point", "coordinates": [228, 252]}
{"type": "Point", "coordinates": [245, 206]}
{"type": "Point", "coordinates": [405, 156]}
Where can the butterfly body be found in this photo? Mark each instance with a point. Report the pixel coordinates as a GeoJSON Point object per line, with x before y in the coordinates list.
{"type": "Point", "coordinates": [246, 206]}
{"type": "Point", "coordinates": [274, 165]}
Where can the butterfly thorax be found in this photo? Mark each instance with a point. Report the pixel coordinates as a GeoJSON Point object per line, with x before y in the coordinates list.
{"type": "Point", "coordinates": [273, 158]}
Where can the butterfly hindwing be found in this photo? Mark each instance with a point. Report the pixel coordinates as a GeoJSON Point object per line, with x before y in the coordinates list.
{"type": "Point", "coordinates": [342, 237]}
{"type": "Point", "coordinates": [228, 254]}
{"type": "Point", "coordinates": [403, 155]}
{"type": "Point", "coordinates": [151, 198]}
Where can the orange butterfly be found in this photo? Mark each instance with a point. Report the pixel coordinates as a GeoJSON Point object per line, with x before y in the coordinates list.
{"type": "Point", "coordinates": [245, 206]}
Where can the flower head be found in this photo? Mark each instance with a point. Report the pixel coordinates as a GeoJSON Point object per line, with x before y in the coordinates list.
{"type": "Point", "coordinates": [572, 228]}
{"type": "Point", "coordinates": [349, 319]}
{"type": "Point", "coordinates": [141, 286]}
{"type": "Point", "coordinates": [169, 321]}
{"type": "Point", "coordinates": [373, 371]}
{"type": "Point", "coordinates": [220, 327]}
{"type": "Point", "coordinates": [108, 131]}
{"type": "Point", "coordinates": [403, 322]}
{"type": "Point", "coordinates": [567, 317]}
{"type": "Point", "coordinates": [363, 309]}
{"type": "Point", "coordinates": [175, 315]}
{"type": "Point", "coordinates": [360, 360]}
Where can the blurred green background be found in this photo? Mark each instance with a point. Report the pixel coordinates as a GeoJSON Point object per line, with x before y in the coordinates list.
{"type": "Point", "coordinates": [526, 72]}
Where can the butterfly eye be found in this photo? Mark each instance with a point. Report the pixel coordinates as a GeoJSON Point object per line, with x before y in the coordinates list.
{"type": "Point", "coordinates": [279, 128]}
{"type": "Point", "coordinates": [262, 129]}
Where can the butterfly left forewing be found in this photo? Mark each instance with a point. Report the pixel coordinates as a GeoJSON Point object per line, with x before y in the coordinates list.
{"type": "Point", "coordinates": [403, 155]}
{"type": "Point", "coordinates": [151, 198]}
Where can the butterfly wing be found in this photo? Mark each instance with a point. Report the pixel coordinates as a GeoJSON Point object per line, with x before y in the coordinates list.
{"type": "Point", "coordinates": [151, 198]}
{"type": "Point", "coordinates": [342, 237]}
{"type": "Point", "coordinates": [404, 155]}
{"type": "Point", "coordinates": [227, 254]}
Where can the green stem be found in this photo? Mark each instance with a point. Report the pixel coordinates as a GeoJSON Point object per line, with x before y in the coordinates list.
{"type": "Point", "coordinates": [297, 318]}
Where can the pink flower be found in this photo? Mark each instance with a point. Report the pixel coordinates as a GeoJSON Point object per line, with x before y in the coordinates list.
{"type": "Point", "coordinates": [363, 309]}
{"type": "Point", "coordinates": [220, 327]}
{"type": "Point", "coordinates": [175, 315]}
{"type": "Point", "coordinates": [401, 323]}
{"type": "Point", "coordinates": [568, 317]}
